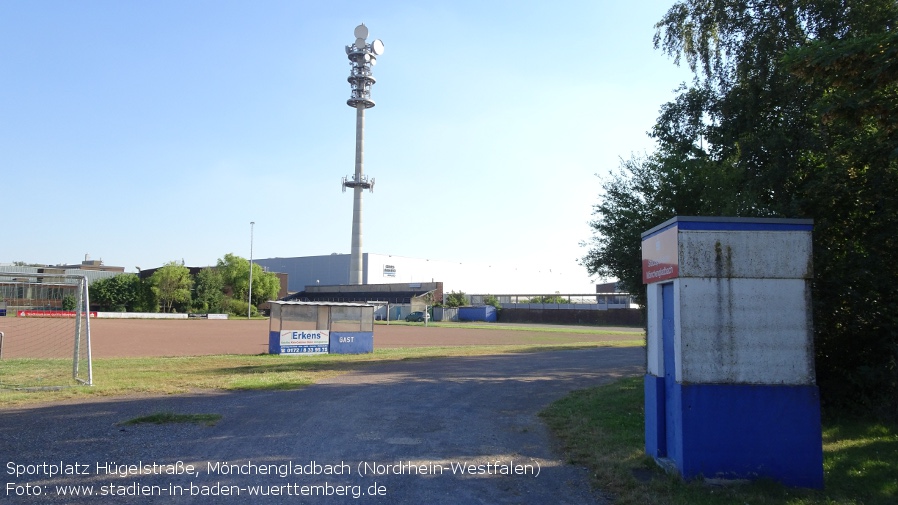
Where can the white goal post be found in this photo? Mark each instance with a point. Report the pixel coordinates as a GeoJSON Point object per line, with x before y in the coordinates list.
{"type": "Point", "coordinates": [45, 328]}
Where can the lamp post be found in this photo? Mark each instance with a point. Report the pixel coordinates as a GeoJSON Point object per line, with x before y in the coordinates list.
{"type": "Point", "coordinates": [249, 305]}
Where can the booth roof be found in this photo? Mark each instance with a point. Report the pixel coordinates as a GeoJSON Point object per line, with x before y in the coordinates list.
{"type": "Point", "coordinates": [340, 304]}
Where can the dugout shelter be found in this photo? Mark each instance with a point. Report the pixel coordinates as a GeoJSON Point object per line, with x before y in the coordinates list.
{"type": "Point", "coordinates": [320, 328]}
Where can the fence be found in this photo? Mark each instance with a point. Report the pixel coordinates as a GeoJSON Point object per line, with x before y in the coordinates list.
{"type": "Point", "coordinates": [557, 301]}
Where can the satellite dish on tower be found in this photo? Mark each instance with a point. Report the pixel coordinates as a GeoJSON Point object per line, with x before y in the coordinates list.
{"type": "Point", "coordinates": [359, 43]}
{"type": "Point", "coordinates": [377, 47]}
{"type": "Point", "coordinates": [361, 32]}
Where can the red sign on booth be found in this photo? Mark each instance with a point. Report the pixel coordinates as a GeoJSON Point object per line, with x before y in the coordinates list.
{"type": "Point", "coordinates": [660, 258]}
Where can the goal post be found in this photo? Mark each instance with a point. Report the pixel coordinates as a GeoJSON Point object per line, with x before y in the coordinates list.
{"type": "Point", "coordinates": [45, 322]}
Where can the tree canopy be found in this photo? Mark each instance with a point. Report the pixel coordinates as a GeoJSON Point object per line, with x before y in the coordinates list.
{"type": "Point", "coordinates": [171, 284]}
{"type": "Point", "coordinates": [792, 112]}
{"type": "Point", "coordinates": [209, 293]}
{"type": "Point", "coordinates": [235, 276]}
{"type": "Point", "coordinates": [456, 299]}
{"type": "Point", "coordinates": [122, 293]}
{"type": "Point", "coordinates": [223, 288]}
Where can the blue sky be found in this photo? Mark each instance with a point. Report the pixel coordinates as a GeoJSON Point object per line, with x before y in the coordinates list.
{"type": "Point", "coordinates": [147, 132]}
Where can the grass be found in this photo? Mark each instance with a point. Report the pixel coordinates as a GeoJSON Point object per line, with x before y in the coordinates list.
{"type": "Point", "coordinates": [602, 428]}
{"type": "Point", "coordinates": [171, 417]}
{"type": "Point", "coordinates": [180, 375]}
{"type": "Point", "coordinates": [583, 330]}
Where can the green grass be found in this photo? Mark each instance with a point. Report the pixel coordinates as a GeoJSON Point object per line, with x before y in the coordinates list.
{"type": "Point", "coordinates": [179, 375]}
{"type": "Point", "coordinates": [171, 417]}
{"type": "Point", "coordinates": [602, 428]}
{"type": "Point", "coordinates": [582, 330]}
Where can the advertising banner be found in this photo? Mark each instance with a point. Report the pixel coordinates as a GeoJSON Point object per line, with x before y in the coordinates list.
{"type": "Point", "coordinates": [51, 313]}
{"type": "Point", "coordinates": [305, 341]}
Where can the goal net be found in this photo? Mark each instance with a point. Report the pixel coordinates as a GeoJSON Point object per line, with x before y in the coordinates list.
{"type": "Point", "coordinates": [44, 330]}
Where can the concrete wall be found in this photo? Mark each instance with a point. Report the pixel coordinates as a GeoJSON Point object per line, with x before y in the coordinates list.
{"type": "Point", "coordinates": [742, 309]}
{"type": "Point", "coordinates": [746, 314]}
{"type": "Point", "coordinates": [748, 254]}
{"type": "Point", "coordinates": [139, 315]}
{"type": "Point", "coordinates": [745, 331]}
{"type": "Point", "coordinates": [156, 315]}
{"type": "Point", "coordinates": [616, 317]}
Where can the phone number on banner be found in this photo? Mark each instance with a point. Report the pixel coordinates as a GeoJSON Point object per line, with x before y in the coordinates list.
{"type": "Point", "coordinates": [304, 349]}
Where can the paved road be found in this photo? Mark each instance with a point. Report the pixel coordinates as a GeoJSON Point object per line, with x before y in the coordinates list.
{"type": "Point", "coordinates": [407, 426]}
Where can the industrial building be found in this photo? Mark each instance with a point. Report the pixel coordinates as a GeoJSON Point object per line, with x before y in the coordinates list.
{"type": "Point", "coordinates": [92, 269]}
{"type": "Point", "coordinates": [334, 270]}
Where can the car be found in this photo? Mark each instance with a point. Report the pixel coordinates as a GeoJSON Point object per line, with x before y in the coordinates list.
{"type": "Point", "coordinates": [416, 317]}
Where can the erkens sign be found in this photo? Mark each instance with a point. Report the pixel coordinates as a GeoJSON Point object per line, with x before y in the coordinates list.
{"type": "Point", "coordinates": [304, 341]}
{"type": "Point", "coordinates": [302, 335]}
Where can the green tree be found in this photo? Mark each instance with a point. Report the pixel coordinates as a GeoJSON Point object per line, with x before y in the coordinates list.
{"type": "Point", "coordinates": [549, 299]}
{"type": "Point", "coordinates": [69, 302]}
{"type": "Point", "coordinates": [209, 291]}
{"type": "Point", "coordinates": [492, 300]}
{"type": "Point", "coordinates": [850, 189]}
{"type": "Point", "coordinates": [266, 285]}
{"type": "Point", "coordinates": [122, 293]}
{"type": "Point", "coordinates": [793, 112]}
{"type": "Point", "coordinates": [171, 284]}
{"type": "Point", "coordinates": [235, 275]}
{"type": "Point", "coordinates": [456, 299]}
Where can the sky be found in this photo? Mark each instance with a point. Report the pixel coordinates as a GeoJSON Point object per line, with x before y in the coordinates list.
{"type": "Point", "coordinates": [146, 132]}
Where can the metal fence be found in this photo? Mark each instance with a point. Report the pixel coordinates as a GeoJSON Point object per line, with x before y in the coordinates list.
{"type": "Point", "coordinates": [579, 301]}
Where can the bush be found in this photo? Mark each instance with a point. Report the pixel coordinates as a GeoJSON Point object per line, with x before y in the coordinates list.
{"type": "Point", "coordinates": [238, 307]}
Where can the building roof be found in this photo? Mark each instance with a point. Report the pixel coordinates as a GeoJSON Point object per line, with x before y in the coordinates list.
{"type": "Point", "coordinates": [357, 296]}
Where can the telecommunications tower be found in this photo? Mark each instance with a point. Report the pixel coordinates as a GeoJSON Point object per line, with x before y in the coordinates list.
{"type": "Point", "coordinates": [362, 56]}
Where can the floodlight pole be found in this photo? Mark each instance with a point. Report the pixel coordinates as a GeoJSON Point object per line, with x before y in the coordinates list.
{"type": "Point", "coordinates": [249, 305]}
{"type": "Point", "coordinates": [362, 56]}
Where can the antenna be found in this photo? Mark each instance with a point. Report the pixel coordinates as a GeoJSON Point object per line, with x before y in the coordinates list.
{"type": "Point", "coordinates": [362, 56]}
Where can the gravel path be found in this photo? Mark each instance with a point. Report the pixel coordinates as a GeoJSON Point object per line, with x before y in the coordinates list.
{"type": "Point", "coordinates": [393, 433]}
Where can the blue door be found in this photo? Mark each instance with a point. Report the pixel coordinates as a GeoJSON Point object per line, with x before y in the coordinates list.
{"type": "Point", "coordinates": [667, 348]}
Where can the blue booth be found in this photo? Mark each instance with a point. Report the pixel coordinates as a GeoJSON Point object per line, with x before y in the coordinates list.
{"type": "Point", "coordinates": [320, 328]}
{"type": "Point", "coordinates": [730, 388]}
{"type": "Point", "coordinates": [485, 313]}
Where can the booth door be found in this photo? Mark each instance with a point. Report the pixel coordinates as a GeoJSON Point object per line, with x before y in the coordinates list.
{"type": "Point", "coordinates": [667, 348]}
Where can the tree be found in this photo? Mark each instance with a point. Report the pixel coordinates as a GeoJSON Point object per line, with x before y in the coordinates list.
{"type": "Point", "coordinates": [850, 190]}
{"type": "Point", "coordinates": [69, 302]}
{"type": "Point", "coordinates": [235, 276]}
{"type": "Point", "coordinates": [645, 192]}
{"type": "Point", "coordinates": [209, 293]}
{"type": "Point", "coordinates": [266, 285]}
{"type": "Point", "coordinates": [171, 284]}
{"type": "Point", "coordinates": [122, 293]}
{"type": "Point", "coordinates": [456, 299]}
{"type": "Point", "coordinates": [492, 300]}
{"type": "Point", "coordinates": [793, 112]}
{"type": "Point", "coordinates": [550, 299]}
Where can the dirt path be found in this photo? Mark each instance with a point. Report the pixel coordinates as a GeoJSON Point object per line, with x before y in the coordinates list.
{"type": "Point", "coordinates": [395, 433]}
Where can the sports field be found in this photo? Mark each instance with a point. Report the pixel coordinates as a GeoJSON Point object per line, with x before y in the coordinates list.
{"type": "Point", "coordinates": [155, 337]}
{"type": "Point", "coordinates": [120, 338]}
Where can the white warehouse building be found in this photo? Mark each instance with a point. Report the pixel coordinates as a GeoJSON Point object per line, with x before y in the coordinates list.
{"type": "Point", "coordinates": [497, 278]}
